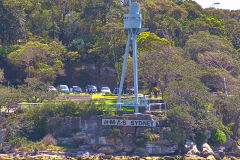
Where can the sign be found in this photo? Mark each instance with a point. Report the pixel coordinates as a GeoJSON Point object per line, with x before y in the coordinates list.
{"type": "Point", "coordinates": [134, 123]}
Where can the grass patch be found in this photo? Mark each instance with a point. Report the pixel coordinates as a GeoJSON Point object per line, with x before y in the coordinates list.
{"type": "Point", "coordinates": [102, 96]}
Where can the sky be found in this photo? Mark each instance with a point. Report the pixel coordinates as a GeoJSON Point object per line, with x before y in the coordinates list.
{"type": "Point", "coordinates": [224, 4]}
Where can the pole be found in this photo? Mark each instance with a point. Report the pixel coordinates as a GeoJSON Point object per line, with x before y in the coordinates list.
{"type": "Point", "coordinates": [124, 67]}
{"type": "Point", "coordinates": [135, 66]}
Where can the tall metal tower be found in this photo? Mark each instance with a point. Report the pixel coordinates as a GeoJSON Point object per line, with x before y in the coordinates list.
{"type": "Point", "coordinates": [133, 23]}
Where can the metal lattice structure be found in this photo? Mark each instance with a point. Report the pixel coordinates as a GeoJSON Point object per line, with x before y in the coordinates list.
{"type": "Point", "coordinates": [132, 23]}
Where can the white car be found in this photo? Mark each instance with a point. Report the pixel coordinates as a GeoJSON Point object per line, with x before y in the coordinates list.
{"type": "Point", "coordinates": [105, 90]}
{"type": "Point", "coordinates": [51, 88]}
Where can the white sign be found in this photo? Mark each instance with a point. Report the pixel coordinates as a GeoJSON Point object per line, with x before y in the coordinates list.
{"type": "Point", "coordinates": [122, 122]}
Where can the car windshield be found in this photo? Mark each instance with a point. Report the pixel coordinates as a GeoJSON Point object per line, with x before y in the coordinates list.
{"type": "Point", "coordinates": [63, 87]}
{"type": "Point", "coordinates": [105, 88]}
{"type": "Point", "coordinates": [91, 87]}
{"type": "Point", "coordinates": [77, 88]}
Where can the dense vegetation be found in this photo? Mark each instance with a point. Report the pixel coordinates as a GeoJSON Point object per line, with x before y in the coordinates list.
{"type": "Point", "coordinates": [190, 55]}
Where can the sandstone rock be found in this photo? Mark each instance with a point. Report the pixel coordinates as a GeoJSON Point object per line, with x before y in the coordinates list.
{"type": "Point", "coordinates": [107, 149]}
{"type": "Point", "coordinates": [122, 154]}
{"type": "Point", "coordinates": [191, 148]}
{"type": "Point", "coordinates": [141, 152]}
{"type": "Point", "coordinates": [6, 148]}
{"type": "Point", "coordinates": [161, 149]}
{"type": "Point", "coordinates": [128, 148]}
{"type": "Point", "coordinates": [193, 157]}
{"type": "Point", "coordinates": [102, 140]}
{"type": "Point", "coordinates": [85, 147]}
{"type": "Point", "coordinates": [163, 142]}
{"type": "Point", "coordinates": [166, 129]}
{"type": "Point", "coordinates": [188, 145]}
{"type": "Point", "coordinates": [206, 150]}
{"type": "Point", "coordinates": [210, 157]}
{"type": "Point", "coordinates": [193, 151]}
{"type": "Point", "coordinates": [83, 153]}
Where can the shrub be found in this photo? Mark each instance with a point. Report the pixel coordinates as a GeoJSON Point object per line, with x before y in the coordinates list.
{"type": "Point", "coordinates": [177, 135]}
{"type": "Point", "coordinates": [140, 141]}
{"type": "Point", "coordinates": [200, 139]}
{"type": "Point", "coordinates": [32, 123]}
{"type": "Point", "coordinates": [49, 140]}
{"type": "Point", "coordinates": [218, 137]}
{"type": "Point", "coordinates": [115, 133]}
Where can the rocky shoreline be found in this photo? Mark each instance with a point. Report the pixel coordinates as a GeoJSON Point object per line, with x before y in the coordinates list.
{"type": "Point", "coordinates": [92, 140]}
{"type": "Point", "coordinates": [88, 155]}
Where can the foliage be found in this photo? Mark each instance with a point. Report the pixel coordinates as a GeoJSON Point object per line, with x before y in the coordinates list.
{"type": "Point", "coordinates": [188, 53]}
{"type": "Point", "coordinates": [36, 91]}
{"type": "Point", "coordinates": [32, 123]}
{"type": "Point", "coordinates": [200, 139]}
{"type": "Point", "coordinates": [49, 140]}
{"type": "Point", "coordinates": [39, 60]}
{"type": "Point", "coordinates": [177, 135]}
{"type": "Point", "coordinates": [218, 137]}
{"type": "Point", "coordinates": [115, 132]}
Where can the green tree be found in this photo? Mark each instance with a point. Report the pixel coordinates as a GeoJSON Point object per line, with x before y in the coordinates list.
{"type": "Point", "coordinates": [39, 60]}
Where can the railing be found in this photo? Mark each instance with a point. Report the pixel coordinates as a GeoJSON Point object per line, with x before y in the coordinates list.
{"type": "Point", "coordinates": [23, 105]}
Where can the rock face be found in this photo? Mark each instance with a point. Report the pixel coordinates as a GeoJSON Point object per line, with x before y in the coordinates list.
{"type": "Point", "coordinates": [191, 148]}
{"type": "Point", "coordinates": [153, 148]}
{"type": "Point", "coordinates": [107, 149]}
{"type": "Point", "coordinates": [206, 150]}
{"type": "Point", "coordinates": [91, 136]}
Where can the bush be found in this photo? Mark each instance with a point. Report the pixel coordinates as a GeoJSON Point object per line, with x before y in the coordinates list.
{"type": "Point", "coordinates": [140, 141]}
{"type": "Point", "coordinates": [218, 137]}
{"type": "Point", "coordinates": [115, 133]}
{"type": "Point", "coordinates": [200, 139]}
{"type": "Point", "coordinates": [49, 140]}
{"type": "Point", "coordinates": [32, 123]}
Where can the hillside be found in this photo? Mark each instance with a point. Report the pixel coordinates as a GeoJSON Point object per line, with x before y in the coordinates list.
{"type": "Point", "coordinates": [190, 56]}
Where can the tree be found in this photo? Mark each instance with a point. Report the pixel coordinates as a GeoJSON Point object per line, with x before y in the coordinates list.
{"type": "Point", "coordinates": [202, 42]}
{"type": "Point", "coordinates": [39, 60]}
{"type": "Point", "coordinates": [35, 91]}
{"type": "Point", "coordinates": [9, 98]}
{"type": "Point", "coordinates": [228, 108]}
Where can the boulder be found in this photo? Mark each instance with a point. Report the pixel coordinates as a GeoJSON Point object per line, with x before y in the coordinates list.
{"type": "Point", "coordinates": [206, 150]}
{"type": "Point", "coordinates": [190, 148]}
{"type": "Point", "coordinates": [107, 149]}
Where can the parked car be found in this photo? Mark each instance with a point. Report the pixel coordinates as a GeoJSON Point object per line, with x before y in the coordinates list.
{"type": "Point", "coordinates": [116, 90]}
{"type": "Point", "coordinates": [76, 89]}
{"type": "Point", "coordinates": [51, 88]}
{"type": "Point", "coordinates": [91, 89]}
{"type": "Point", "coordinates": [64, 89]}
{"type": "Point", "coordinates": [105, 90]}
